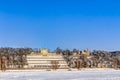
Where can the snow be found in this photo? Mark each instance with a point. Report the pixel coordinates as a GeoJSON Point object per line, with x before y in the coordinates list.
{"type": "Point", "coordinates": [84, 74]}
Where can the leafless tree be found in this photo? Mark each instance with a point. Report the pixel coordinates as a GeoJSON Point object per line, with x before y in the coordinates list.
{"type": "Point", "coordinates": [55, 64]}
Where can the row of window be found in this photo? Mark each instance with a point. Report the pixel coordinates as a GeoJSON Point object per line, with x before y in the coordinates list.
{"type": "Point", "coordinates": [45, 62]}
{"type": "Point", "coordinates": [48, 66]}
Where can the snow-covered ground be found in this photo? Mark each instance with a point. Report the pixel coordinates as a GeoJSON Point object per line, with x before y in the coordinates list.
{"type": "Point", "coordinates": [84, 74]}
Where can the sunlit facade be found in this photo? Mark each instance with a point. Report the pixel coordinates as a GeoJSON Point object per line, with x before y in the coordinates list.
{"type": "Point", "coordinates": [45, 60]}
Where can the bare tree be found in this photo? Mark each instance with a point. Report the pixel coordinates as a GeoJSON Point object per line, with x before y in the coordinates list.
{"type": "Point", "coordinates": [54, 64]}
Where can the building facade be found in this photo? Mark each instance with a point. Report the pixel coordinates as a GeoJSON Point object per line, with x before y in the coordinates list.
{"type": "Point", "coordinates": [46, 60]}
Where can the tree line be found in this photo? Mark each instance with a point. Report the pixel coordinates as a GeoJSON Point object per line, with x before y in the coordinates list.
{"type": "Point", "coordinates": [13, 57]}
{"type": "Point", "coordinates": [96, 59]}
{"type": "Point", "coordinates": [16, 57]}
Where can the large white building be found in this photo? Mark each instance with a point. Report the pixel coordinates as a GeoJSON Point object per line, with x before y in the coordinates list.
{"type": "Point", "coordinates": [45, 60]}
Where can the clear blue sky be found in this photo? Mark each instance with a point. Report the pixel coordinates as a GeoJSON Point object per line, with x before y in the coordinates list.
{"type": "Point", "coordinates": [80, 24]}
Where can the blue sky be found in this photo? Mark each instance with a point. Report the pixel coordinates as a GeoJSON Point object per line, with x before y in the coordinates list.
{"type": "Point", "coordinates": [80, 24]}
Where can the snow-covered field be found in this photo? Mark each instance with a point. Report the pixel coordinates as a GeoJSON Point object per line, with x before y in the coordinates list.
{"type": "Point", "coordinates": [84, 74]}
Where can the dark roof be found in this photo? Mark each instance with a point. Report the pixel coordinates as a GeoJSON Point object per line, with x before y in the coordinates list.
{"type": "Point", "coordinates": [115, 52]}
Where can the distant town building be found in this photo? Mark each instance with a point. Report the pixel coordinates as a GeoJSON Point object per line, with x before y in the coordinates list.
{"type": "Point", "coordinates": [46, 60]}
